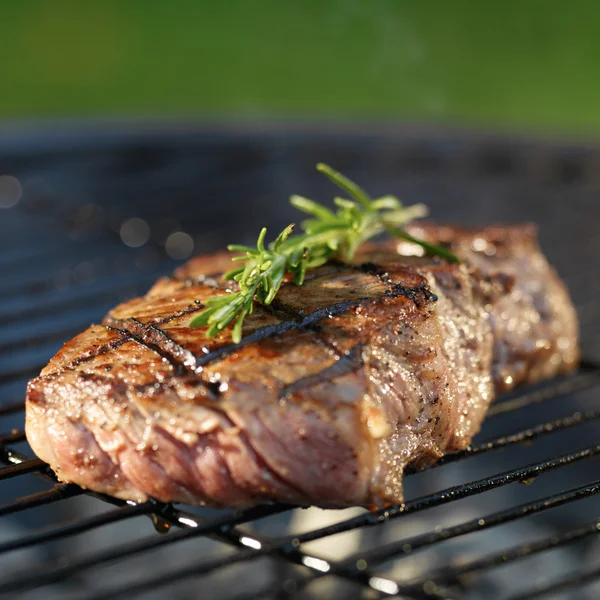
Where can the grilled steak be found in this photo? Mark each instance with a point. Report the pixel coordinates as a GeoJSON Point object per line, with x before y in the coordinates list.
{"type": "Point", "coordinates": [335, 388]}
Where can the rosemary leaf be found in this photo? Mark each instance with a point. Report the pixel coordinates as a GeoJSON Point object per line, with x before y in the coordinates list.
{"type": "Point", "coordinates": [325, 234]}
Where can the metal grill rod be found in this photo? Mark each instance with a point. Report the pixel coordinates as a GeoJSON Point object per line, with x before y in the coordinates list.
{"type": "Point", "coordinates": [166, 514]}
{"type": "Point", "coordinates": [531, 433]}
{"type": "Point", "coordinates": [408, 546]}
{"type": "Point", "coordinates": [45, 337]}
{"type": "Point", "coordinates": [414, 591]}
{"type": "Point", "coordinates": [78, 526]}
{"type": "Point", "coordinates": [289, 544]}
{"type": "Point", "coordinates": [453, 493]}
{"type": "Point", "coordinates": [58, 492]}
{"type": "Point", "coordinates": [445, 160]}
{"type": "Point", "coordinates": [14, 406]}
{"type": "Point", "coordinates": [29, 253]}
{"type": "Point", "coordinates": [54, 254]}
{"type": "Point", "coordinates": [586, 378]}
{"type": "Point", "coordinates": [93, 295]}
{"type": "Point", "coordinates": [515, 438]}
{"type": "Point", "coordinates": [560, 585]}
{"type": "Point", "coordinates": [32, 284]}
{"type": "Point", "coordinates": [297, 556]}
{"type": "Point", "coordinates": [29, 466]}
{"type": "Point", "coordinates": [22, 373]}
{"type": "Point", "coordinates": [52, 575]}
{"type": "Point", "coordinates": [448, 576]}
{"type": "Point", "coordinates": [23, 256]}
{"type": "Point", "coordinates": [575, 419]}
{"type": "Point", "coordinates": [12, 438]}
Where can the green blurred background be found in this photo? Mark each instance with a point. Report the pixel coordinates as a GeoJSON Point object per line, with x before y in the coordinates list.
{"type": "Point", "coordinates": [518, 64]}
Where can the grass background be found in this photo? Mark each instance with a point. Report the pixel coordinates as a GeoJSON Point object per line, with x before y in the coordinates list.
{"type": "Point", "coordinates": [527, 63]}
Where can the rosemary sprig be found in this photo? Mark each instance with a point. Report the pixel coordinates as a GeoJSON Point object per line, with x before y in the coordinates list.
{"type": "Point", "coordinates": [325, 233]}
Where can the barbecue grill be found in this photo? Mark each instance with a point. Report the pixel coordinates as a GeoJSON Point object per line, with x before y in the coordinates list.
{"type": "Point", "coordinates": [92, 215]}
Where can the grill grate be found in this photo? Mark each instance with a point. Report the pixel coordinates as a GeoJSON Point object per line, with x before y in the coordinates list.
{"type": "Point", "coordinates": [61, 271]}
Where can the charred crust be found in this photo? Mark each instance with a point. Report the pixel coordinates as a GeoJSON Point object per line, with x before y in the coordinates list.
{"type": "Point", "coordinates": [371, 268]}
{"type": "Point", "coordinates": [283, 312]}
{"type": "Point", "coordinates": [158, 341]}
{"type": "Point", "coordinates": [98, 350]}
{"type": "Point", "coordinates": [92, 377]}
{"type": "Point", "coordinates": [263, 333]}
{"type": "Point", "coordinates": [214, 387]}
{"type": "Point", "coordinates": [305, 322]}
{"type": "Point", "coordinates": [195, 307]}
{"type": "Point", "coordinates": [420, 294]}
{"type": "Point", "coordinates": [152, 337]}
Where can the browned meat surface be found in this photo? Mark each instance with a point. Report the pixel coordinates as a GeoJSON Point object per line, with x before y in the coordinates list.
{"type": "Point", "coordinates": [535, 325]}
{"type": "Point", "coordinates": [333, 391]}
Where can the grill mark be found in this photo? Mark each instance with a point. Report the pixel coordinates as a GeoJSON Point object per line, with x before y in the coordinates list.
{"type": "Point", "coordinates": [350, 362]}
{"type": "Point", "coordinates": [105, 349]}
{"type": "Point", "coordinates": [281, 308]}
{"type": "Point", "coordinates": [283, 311]}
{"type": "Point", "coordinates": [279, 329]}
{"type": "Point", "coordinates": [418, 294]}
{"type": "Point", "coordinates": [183, 359]}
{"type": "Point", "coordinates": [181, 313]}
{"type": "Point", "coordinates": [157, 340]}
{"type": "Point", "coordinates": [149, 336]}
{"type": "Point", "coordinates": [290, 318]}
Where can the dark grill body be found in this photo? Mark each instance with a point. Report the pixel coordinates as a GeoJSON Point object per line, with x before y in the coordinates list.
{"type": "Point", "coordinates": [466, 531]}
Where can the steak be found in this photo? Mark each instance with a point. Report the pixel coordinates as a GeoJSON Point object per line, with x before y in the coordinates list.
{"type": "Point", "coordinates": [335, 388]}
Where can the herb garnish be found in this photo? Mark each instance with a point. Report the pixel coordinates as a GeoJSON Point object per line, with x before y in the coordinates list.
{"type": "Point", "coordinates": [325, 234]}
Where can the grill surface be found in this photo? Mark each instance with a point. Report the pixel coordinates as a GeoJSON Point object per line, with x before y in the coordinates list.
{"type": "Point", "coordinates": [466, 530]}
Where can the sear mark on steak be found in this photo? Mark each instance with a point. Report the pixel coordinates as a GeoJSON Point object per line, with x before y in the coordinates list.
{"type": "Point", "coordinates": [335, 388]}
